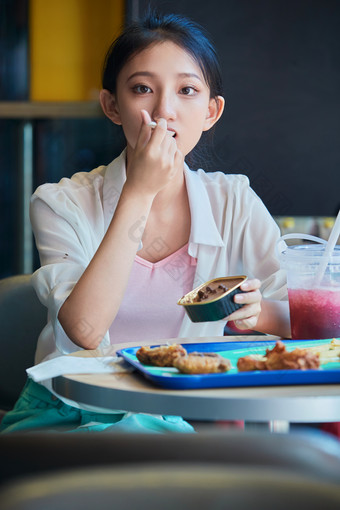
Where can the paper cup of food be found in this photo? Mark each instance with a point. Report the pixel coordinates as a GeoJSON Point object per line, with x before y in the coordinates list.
{"type": "Point", "coordinates": [213, 300]}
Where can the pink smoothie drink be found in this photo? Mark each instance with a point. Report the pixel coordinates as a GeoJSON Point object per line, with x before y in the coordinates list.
{"type": "Point", "coordinates": [314, 313]}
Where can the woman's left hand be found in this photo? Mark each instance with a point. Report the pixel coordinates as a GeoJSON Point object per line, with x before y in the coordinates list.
{"type": "Point", "coordinates": [247, 316]}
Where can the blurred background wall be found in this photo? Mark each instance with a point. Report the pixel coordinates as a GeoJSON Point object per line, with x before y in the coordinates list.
{"type": "Point", "coordinates": [281, 126]}
{"type": "Point", "coordinates": [51, 56]}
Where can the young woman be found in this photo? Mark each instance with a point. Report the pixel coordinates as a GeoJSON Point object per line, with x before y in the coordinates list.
{"type": "Point", "coordinates": [121, 244]}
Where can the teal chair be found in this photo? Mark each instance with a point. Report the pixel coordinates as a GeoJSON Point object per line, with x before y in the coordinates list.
{"type": "Point", "coordinates": [22, 318]}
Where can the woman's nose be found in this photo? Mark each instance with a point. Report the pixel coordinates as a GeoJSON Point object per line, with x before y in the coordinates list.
{"type": "Point", "coordinates": [164, 108]}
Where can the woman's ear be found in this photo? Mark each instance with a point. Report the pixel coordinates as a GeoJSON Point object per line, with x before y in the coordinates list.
{"type": "Point", "coordinates": [109, 106]}
{"type": "Point", "coordinates": [215, 110]}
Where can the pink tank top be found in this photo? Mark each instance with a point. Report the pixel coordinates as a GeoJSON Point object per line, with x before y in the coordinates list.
{"type": "Point", "coordinates": [149, 309]}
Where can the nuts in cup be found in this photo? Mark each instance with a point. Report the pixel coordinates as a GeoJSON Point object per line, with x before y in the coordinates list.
{"type": "Point", "coordinates": [213, 300]}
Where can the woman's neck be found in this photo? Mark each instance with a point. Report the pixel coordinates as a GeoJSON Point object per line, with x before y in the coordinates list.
{"type": "Point", "coordinates": [168, 223]}
{"type": "Point", "coordinates": [171, 195]}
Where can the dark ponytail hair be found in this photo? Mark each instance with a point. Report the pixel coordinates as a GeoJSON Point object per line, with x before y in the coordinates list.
{"type": "Point", "coordinates": [155, 28]}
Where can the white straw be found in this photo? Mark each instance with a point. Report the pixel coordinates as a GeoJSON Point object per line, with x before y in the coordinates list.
{"type": "Point", "coordinates": [328, 250]}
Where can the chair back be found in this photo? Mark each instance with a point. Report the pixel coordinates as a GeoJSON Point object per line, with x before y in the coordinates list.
{"type": "Point", "coordinates": [309, 452]}
{"type": "Point", "coordinates": [22, 318]}
{"type": "Point", "coordinates": [190, 487]}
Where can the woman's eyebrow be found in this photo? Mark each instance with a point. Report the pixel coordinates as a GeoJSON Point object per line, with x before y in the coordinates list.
{"type": "Point", "coordinates": [189, 75]}
{"type": "Point", "coordinates": [140, 73]}
{"type": "Point", "coordinates": [152, 75]}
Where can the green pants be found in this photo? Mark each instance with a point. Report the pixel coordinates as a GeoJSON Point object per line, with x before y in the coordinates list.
{"type": "Point", "coordinates": [37, 408]}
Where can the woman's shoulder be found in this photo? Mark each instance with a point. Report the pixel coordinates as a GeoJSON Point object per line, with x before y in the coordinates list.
{"type": "Point", "coordinates": [222, 178]}
{"type": "Point", "coordinates": [221, 187]}
{"type": "Point", "coordinates": [79, 183]}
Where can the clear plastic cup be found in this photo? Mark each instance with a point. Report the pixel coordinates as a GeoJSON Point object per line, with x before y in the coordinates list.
{"type": "Point", "coordinates": [314, 305]}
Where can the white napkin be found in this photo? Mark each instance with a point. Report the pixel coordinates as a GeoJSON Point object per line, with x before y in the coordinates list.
{"type": "Point", "coordinates": [77, 365]}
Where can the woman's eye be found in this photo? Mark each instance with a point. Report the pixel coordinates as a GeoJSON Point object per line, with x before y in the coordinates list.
{"type": "Point", "coordinates": [188, 91]}
{"type": "Point", "coordinates": [141, 89]}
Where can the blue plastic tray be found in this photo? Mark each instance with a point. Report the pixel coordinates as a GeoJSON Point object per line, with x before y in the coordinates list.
{"type": "Point", "coordinates": [169, 377]}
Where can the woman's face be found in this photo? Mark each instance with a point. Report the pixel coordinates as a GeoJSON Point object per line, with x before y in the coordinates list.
{"type": "Point", "coordinates": [165, 81]}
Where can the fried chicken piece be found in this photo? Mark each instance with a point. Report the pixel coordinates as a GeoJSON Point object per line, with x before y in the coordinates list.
{"type": "Point", "coordinates": [248, 363]}
{"type": "Point", "coordinates": [202, 363]}
{"type": "Point", "coordinates": [162, 356]}
{"type": "Point", "coordinates": [279, 358]}
{"type": "Point", "coordinates": [298, 359]}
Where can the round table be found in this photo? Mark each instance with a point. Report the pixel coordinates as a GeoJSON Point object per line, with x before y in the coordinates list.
{"type": "Point", "coordinates": [272, 406]}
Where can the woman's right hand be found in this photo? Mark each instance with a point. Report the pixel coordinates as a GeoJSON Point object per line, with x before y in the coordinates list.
{"type": "Point", "coordinates": [155, 160]}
